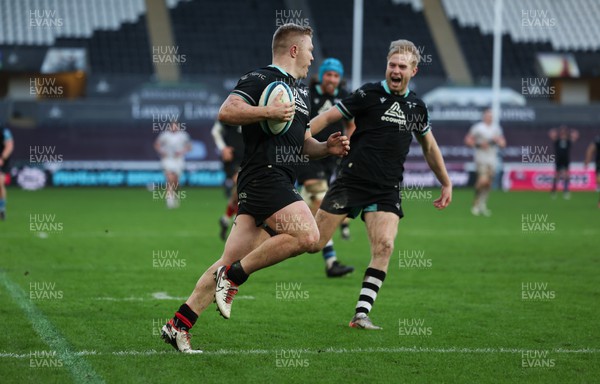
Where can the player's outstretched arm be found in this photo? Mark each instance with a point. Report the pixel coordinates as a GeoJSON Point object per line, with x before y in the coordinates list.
{"type": "Point", "coordinates": [235, 111]}
{"type": "Point", "coordinates": [336, 145]}
{"type": "Point", "coordinates": [500, 141]}
{"type": "Point", "coordinates": [470, 140]}
{"type": "Point", "coordinates": [350, 128]}
{"type": "Point", "coordinates": [318, 123]}
{"type": "Point", "coordinates": [434, 158]}
{"type": "Point", "coordinates": [589, 154]}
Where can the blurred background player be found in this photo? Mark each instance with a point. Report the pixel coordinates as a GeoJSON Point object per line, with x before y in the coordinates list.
{"type": "Point", "coordinates": [172, 145]}
{"type": "Point", "coordinates": [6, 149]}
{"type": "Point", "coordinates": [594, 148]}
{"type": "Point", "coordinates": [314, 177]}
{"type": "Point", "coordinates": [486, 138]}
{"type": "Point", "coordinates": [230, 142]}
{"type": "Point", "coordinates": [563, 138]}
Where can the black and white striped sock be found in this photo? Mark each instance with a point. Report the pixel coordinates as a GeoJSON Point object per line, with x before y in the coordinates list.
{"type": "Point", "coordinates": [371, 283]}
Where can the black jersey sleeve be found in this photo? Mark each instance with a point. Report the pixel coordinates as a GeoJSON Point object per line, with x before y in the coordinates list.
{"type": "Point", "coordinates": [423, 124]}
{"type": "Point", "coordinates": [354, 104]}
{"type": "Point", "coordinates": [250, 87]}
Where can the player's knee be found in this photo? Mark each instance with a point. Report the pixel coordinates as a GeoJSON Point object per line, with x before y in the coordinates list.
{"type": "Point", "coordinates": [308, 241]}
{"type": "Point", "coordinates": [317, 246]}
{"type": "Point", "coordinates": [384, 248]}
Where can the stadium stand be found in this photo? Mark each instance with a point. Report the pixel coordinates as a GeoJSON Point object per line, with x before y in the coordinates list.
{"type": "Point", "coordinates": [390, 20]}
{"type": "Point", "coordinates": [223, 36]}
{"type": "Point", "coordinates": [575, 31]}
{"type": "Point", "coordinates": [113, 31]}
{"type": "Point", "coordinates": [80, 19]}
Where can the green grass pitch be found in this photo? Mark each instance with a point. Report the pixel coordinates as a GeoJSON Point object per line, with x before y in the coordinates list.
{"type": "Point", "coordinates": [511, 298]}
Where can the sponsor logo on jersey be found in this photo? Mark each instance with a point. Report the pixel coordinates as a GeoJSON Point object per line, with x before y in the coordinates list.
{"type": "Point", "coordinates": [300, 104]}
{"type": "Point", "coordinates": [382, 99]}
{"type": "Point", "coordinates": [394, 115]}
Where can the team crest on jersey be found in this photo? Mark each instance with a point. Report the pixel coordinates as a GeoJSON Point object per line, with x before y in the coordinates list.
{"type": "Point", "coordinates": [395, 115]}
{"type": "Point", "coordinates": [303, 91]}
{"type": "Point", "coordinates": [325, 107]}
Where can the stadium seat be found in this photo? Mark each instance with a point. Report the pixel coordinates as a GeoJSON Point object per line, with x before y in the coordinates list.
{"type": "Point", "coordinates": [576, 31]}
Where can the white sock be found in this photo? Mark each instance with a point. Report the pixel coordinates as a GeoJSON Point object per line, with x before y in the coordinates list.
{"type": "Point", "coordinates": [331, 259]}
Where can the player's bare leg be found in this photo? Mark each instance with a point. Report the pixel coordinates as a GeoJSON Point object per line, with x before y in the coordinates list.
{"type": "Point", "coordinates": [232, 207]}
{"type": "Point", "coordinates": [559, 175]}
{"type": "Point", "coordinates": [172, 184]}
{"type": "Point", "coordinates": [382, 228]}
{"type": "Point", "coordinates": [296, 233]}
{"type": "Point", "coordinates": [482, 190]}
{"type": "Point", "coordinates": [327, 224]}
{"type": "Point", "coordinates": [313, 191]}
{"type": "Point", "coordinates": [565, 177]}
{"type": "Point", "coordinates": [245, 236]}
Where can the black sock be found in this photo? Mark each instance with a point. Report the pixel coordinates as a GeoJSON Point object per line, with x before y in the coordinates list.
{"type": "Point", "coordinates": [345, 225]}
{"type": "Point", "coordinates": [372, 281]}
{"type": "Point", "coordinates": [236, 273]}
{"type": "Point", "coordinates": [185, 317]}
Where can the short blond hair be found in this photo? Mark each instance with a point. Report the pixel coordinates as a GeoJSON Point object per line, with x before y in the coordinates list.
{"type": "Point", "coordinates": [283, 35]}
{"type": "Point", "coordinates": [404, 47]}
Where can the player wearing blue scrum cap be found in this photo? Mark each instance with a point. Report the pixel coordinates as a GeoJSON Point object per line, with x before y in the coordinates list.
{"type": "Point", "coordinates": [315, 176]}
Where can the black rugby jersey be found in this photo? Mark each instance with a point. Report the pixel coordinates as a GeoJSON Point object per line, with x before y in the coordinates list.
{"type": "Point", "coordinates": [321, 102]}
{"type": "Point", "coordinates": [264, 153]}
{"type": "Point", "coordinates": [597, 142]}
{"type": "Point", "coordinates": [562, 149]}
{"type": "Point", "coordinates": [385, 123]}
{"type": "Point", "coordinates": [232, 135]}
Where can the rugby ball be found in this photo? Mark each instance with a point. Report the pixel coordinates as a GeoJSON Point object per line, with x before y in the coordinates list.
{"type": "Point", "coordinates": [268, 97]}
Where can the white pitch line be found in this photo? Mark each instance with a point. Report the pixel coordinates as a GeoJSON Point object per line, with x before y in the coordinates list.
{"type": "Point", "coordinates": [160, 296]}
{"type": "Point", "coordinates": [331, 350]}
{"type": "Point", "coordinates": [81, 370]}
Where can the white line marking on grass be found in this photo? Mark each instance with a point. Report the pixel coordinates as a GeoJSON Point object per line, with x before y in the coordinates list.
{"type": "Point", "coordinates": [81, 370]}
{"type": "Point", "coordinates": [161, 296]}
{"type": "Point", "coordinates": [331, 350]}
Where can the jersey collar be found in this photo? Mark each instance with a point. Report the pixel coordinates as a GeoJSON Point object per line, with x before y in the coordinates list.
{"type": "Point", "coordinates": [384, 84]}
{"type": "Point", "coordinates": [279, 69]}
{"type": "Point", "coordinates": [320, 91]}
